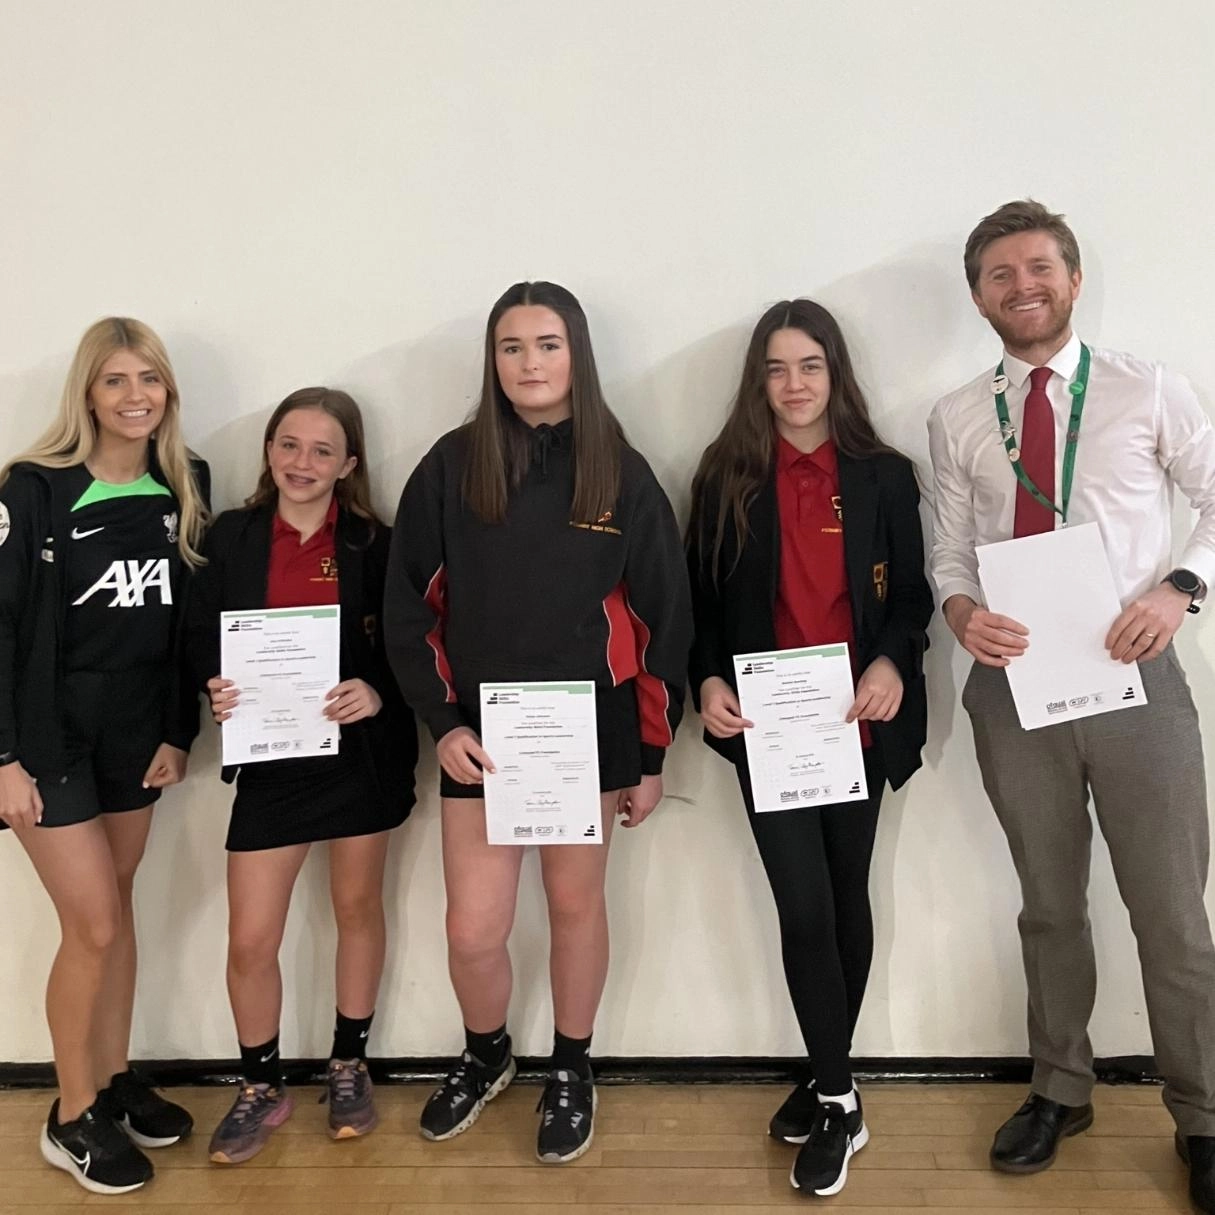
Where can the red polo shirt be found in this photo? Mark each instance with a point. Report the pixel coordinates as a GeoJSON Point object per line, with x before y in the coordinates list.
{"type": "Point", "coordinates": [813, 606]}
{"type": "Point", "coordinates": [302, 575]}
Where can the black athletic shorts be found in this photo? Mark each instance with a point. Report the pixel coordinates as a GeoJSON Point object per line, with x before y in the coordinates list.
{"type": "Point", "coordinates": [619, 731]}
{"type": "Point", "coordinates": [113, 724]}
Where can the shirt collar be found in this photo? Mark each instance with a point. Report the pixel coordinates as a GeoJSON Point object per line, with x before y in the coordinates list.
{"type": "Point", "coordinates": [282, 528]}
{"type": "Point", "coordinates": [1063, 363]}
{"type": "Point", "coordinates": [822, 457]}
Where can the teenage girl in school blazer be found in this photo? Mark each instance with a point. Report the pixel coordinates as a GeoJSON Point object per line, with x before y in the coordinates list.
{"type": "Point", "coordinates": [307, 536]}
{"type": "Point", "coordinates": [805, 531]}
{"type": "Point", "coordinates": [534, 543]}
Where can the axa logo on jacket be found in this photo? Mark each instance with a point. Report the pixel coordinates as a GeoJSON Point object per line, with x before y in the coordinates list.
{"type": "Point", "coordinates": [131, 581]}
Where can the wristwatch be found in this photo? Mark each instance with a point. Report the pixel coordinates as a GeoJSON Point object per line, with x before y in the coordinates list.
{"type": "Point", "coordinates": [1188, 583]}
{"type": "Point", "coordinates": [8, 757]}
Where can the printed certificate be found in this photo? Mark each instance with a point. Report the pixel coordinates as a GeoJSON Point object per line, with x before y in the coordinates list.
{"type": "Point", "coordinates": [283, 661]}
{"type": "Point", "coordinates": [801, 751]}
{"type": "Point", "coordinates": [1060, 586]}
{"type": "Point", "coordinates": [542, 740]}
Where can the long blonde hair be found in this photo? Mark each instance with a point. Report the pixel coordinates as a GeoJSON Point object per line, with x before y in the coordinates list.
{"type": "Point", "coordinates": [70, 437]}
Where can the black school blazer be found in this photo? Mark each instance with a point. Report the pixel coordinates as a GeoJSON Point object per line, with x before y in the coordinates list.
{"type": "Point", "coordinates": [891, 599]}
{"type": "Point", "coordinates": [237, 549]}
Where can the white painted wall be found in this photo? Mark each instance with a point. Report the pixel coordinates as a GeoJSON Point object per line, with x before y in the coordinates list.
{"type": "Point", "coordinates": [294, 193]}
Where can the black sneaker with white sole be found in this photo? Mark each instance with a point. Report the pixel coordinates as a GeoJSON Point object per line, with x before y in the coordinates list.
{"type": "Point", "coordinates": [94, 1151]}
{"type": "Point", "coordinates": [567, 1122]}
{"type": "Point", "coordinates": [792, 1122]}
{"type": "Point", "coordinates": [457, 1103]}
{"type": "Point", "coordinates": [836, 1136]}
{"type": "Point", "coordinates": [150, 1120]}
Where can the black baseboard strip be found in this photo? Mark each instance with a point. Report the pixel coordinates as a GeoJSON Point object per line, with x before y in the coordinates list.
{"type": "Point", "coordinates": [742, 1069]}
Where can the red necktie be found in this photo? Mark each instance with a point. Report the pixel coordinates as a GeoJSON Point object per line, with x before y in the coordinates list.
{"type": "Point", "coordinates": [1037, 458]}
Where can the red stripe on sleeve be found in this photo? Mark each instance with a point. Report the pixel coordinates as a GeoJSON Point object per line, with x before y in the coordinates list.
{"type": "Point", "coordinates": [436, 600]}
{"type": "Point", "coordinates": [622, 640]}
{"type": "Point", "coordinates": [653, 699]}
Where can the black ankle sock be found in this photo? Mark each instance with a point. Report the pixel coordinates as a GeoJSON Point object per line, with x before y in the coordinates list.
{"type": "Point", "coordinates": [571, 1054]}
{"type": "Point", "coordinates": [350, 1037]}
{"type": "Point", "coordinates": [261, 1064]}
{"type": "Point", "coordinates": [490, 1049]}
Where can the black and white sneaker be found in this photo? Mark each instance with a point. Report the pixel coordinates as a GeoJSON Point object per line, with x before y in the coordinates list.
{"type": "Point", "coordinates": [150, 1120]}
{"type": "Point", "coordinates": [94, 1151]}
{"type": "Point", "coordinates": [835, 1137]}
{"type": "Point", "coordinates": [457, 1103]}
{"type": "Point", "coordinates": [567, 1123]}
{"type": "Point", "coordinates": [792, 1122]}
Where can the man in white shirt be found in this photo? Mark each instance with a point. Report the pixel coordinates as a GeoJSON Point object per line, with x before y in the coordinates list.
{"type": "Point", "coordinates": [1141, 432]}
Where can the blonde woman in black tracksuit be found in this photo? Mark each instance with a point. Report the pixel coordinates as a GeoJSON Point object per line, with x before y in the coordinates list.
{"type": "Point", "coordinates": [99, 527]}
{"type": "Point", "coordinates": [534, 543]}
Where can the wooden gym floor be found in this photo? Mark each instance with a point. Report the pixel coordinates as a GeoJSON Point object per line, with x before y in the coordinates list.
{"type": "Point", "coordinates": [658, 1150]}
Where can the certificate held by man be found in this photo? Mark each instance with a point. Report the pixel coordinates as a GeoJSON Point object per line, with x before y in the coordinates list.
{"type": "Point", "coordinates": [1060, 587]}
{"type": "Point", "coordinates": [542, 740]}
{"type": "Point", "coordinates": [284, 661]}
{"type": "Point", "coordinates": [801, 749]}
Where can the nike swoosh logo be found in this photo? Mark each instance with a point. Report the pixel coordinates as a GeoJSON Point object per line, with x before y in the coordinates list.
{"type": "Point", "coordinates": [266, 1058]}
{"type": "Point", "coordinates": [82, 1162]}
{"type": "Point", "coordinates": [363, 1034]}
{"type": "Point", "coordinates": [77, 534]}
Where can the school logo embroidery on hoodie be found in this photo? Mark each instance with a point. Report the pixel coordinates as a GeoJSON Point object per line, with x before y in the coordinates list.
{"type": "Point", "coordinates": [602, 524]}
{"type": "Point", "coordinates": [130, 581]}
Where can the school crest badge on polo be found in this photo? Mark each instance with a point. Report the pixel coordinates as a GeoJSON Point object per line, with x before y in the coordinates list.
{"type": "Point", "coordinates": [881, 579]}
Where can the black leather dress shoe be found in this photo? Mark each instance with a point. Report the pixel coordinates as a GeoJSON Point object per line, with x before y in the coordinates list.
{"type": "Point", "coordinates": [1198, 1151]}
{"type": "Point", "coordinates": [1027, 1142]}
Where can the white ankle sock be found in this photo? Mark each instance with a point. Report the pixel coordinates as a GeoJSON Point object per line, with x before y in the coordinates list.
{"type": "Point", "coordinates": [848, 1100]}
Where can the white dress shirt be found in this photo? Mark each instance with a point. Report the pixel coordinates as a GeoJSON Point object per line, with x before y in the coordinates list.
{"type": "Point", "coordinates": [1143, 431]}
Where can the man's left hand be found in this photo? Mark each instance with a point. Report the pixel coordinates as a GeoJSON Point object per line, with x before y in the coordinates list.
{"type": "Point", "coordinates": [1147, 625]}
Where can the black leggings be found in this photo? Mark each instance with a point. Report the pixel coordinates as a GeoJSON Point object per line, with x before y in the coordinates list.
{"type": "Point", "coordinates": [817, 861]}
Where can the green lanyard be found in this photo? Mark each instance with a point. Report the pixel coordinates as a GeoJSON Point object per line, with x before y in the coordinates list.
{"type": "Point", "coordinates": [1078, 387]}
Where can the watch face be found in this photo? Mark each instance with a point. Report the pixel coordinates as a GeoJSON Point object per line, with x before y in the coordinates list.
{"type": "Point", "coordinates": [1185, 581]}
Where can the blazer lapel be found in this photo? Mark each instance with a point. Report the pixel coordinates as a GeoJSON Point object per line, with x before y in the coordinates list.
{"type": "Point", "coordinates": [859, 502]}
{"type": "Point", "coordinates": [252, 573]}
{"type": "Point", "coordinates": [764, 522]}
{"type": "Point", "coordinates": [348, 544]}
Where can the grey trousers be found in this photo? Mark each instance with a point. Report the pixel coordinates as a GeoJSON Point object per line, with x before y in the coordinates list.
{"type": "Point", "coordinates": [1144, 769]}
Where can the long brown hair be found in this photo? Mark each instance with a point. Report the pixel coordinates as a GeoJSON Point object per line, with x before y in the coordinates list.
{"type": "Point", "coordinates": [353, 491]}
{"type": "Point", "coordinates": [70, 437]}
{"type": "Point", "coordinates": [498, 446]}
{"type": "Point", "coordinates": [736, 464]}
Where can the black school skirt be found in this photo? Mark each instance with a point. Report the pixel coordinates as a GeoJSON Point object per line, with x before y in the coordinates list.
{"type": "Point", "coordinates": [619, 734]}
{"type": "Point", "coordinates": [301, 801]}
